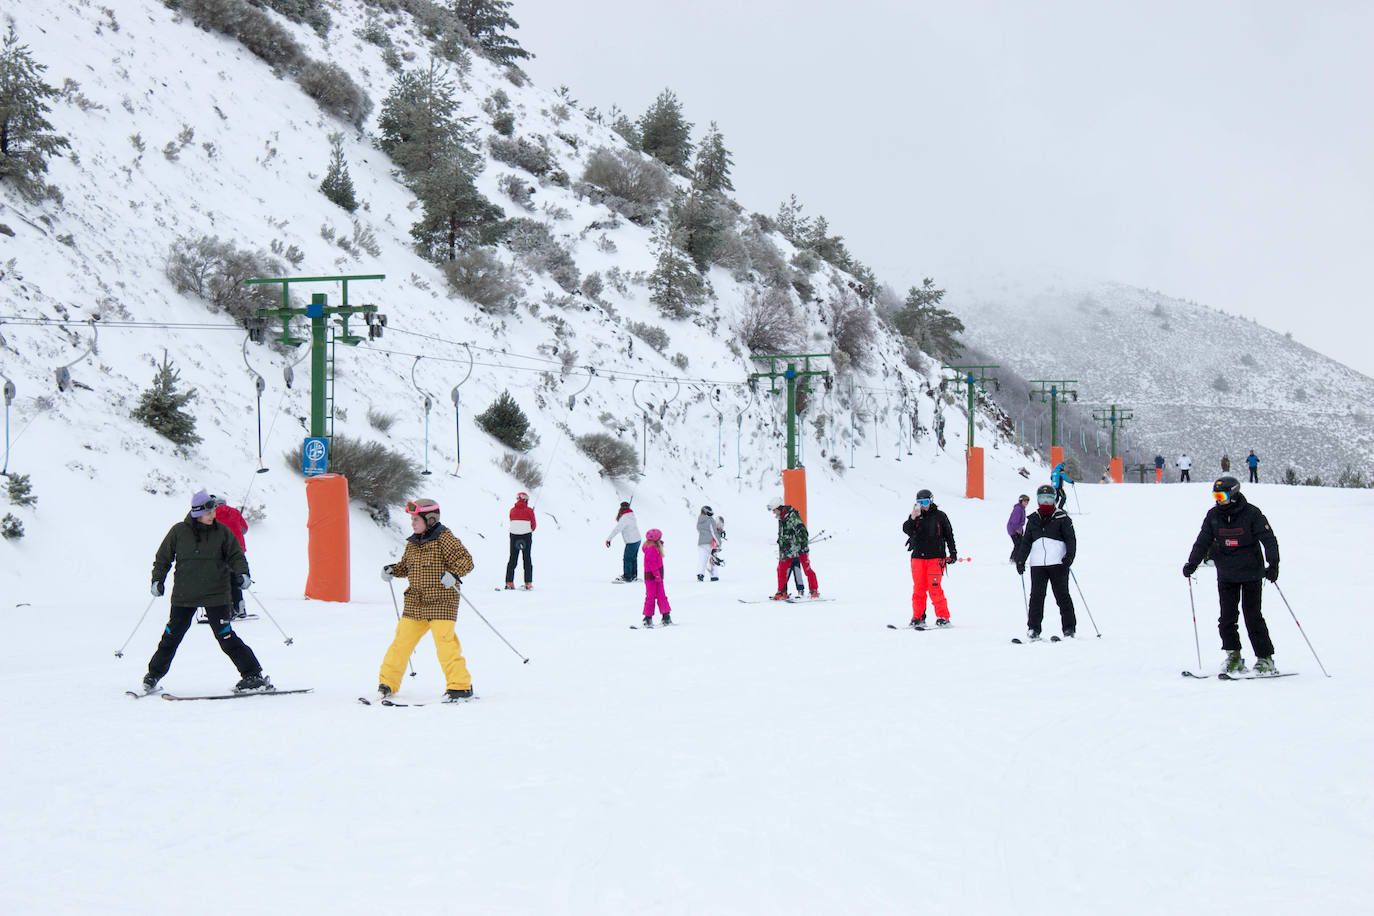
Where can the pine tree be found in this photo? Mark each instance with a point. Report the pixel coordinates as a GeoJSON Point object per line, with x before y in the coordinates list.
{"type": "Point", "coordinates": [337, 184]}
{"type": "Point", "coordinates": [699, 223]}
{"type": "Point", "coordinates": [928, 326]}
{"type": "Point", "coordinates": [505, 421]}
{"type": "Point", "coordinates": [160, 407]}
{"type": "Point", "coordinates": [713, 163]}
{"type": "Point", "coordinates": [487, 21]}
{"type": "Point", "coordinates": [20, 491]}
{"type": "Point", "coordinates": [419, 124]}
{"type": "Point", "coordinates": [664, 133]}
{"type": "Point", "coordinates": [456, 215]}
{"type": "Point", "coordinates": [675, 286]}
{"type": "Point", "coordinates": [27, 140]}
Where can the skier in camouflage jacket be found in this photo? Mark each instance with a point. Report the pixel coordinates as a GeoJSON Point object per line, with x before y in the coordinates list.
{"type": "Point", "coordinates": [793, 543]}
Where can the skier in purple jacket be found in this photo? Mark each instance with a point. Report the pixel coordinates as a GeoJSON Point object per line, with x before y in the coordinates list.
{"type": "Point", "coordinates": [1016, 524]}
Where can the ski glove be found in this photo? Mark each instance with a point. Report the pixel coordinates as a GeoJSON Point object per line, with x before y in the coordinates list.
{"type": "Point", "coordinates": [1020, 569]}
{"type": "Point", "coordinates": [448, 580]}
{"type": "Point", "coordinates": [1189, 569]}
{"type": "Point", "coordinates": [157, 589]}
{"type": "Point", "coordinates": [245, 582]}
{"type": "Point", "coordinates": [386, 573]}
{"type": "Point", "coordinates": [608, 543]}
{"type": "Point", "coordinates": [953, 558]}
{"type": "Point", "coordinates": [1272, 573]}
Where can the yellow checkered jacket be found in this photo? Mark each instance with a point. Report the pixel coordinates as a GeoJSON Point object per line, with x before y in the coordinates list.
{"type": "Point", "coordinates": [427, 557]}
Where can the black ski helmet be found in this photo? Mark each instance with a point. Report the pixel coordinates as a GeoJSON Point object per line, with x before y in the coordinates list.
{"type": "Point", "coordinates": [924, 494]}
{"type": "Point", "coordinates": [706, 510]}
{"type": "Point", "coordinates": [1045, 490]}
{"type": "Point", "coordinates": [1228, 485]}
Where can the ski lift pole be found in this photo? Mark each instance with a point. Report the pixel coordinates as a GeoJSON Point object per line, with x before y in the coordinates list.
{"type": "Point", "coordinates": [720, 424]}
{"type": "Point", "coordinates": [429, 402]}
{"type": "Point", "coordinates": [63, 374]}
{"type": "Point", "coordinates": [457, 429]}
{"type": "Point", "coordinates": [739, 429]}
{"type": "Point", "coordinates": [259, 385]}
{"type": "Point", "coordinates": [9, 399]}
{"type": "Point", "coordinates": [644, 426]}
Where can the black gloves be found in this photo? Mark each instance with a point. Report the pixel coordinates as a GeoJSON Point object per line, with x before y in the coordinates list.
{"type": "Point", "coordinates": [1020, 569]}
{"type": "Point", "coordinates": [1189, 569]}
{"type": "Point", "coordinates": [1272, 573]}
{"type": "Point", "coordinates": [157, 589]}
{"type": "Point", "coordinates": [954, 558]}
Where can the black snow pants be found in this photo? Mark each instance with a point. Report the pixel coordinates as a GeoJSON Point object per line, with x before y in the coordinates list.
{"type": "Point", "coordinates": [1235, 596]}
{"type": "Point", "coordinates": [520, 544]}
{"type": "Point", "coordinates": [229, 643]}
{"type": "Point", "coordinates": [1057, 578]}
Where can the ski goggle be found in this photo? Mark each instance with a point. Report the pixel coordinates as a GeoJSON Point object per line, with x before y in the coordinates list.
{"type": "Point", "coordinates": [414, 508]}
{"type": "Point", "coordinates": [207, 506]}
{"type": "Point", "coordinates": [1045, 499]}
{"type": "Point", "coordinates": [923, 503]}
{"type": "Point", "coordinates": [1221, 496]}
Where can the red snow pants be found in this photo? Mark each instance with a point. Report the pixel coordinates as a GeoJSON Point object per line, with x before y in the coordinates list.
{"type": "Point", "coordinates": [925, 579]}
{"type": "Point", "coordinates": [785, 566]}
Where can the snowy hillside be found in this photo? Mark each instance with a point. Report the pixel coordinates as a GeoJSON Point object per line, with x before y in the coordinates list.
{"type": "Point", "coordinates": [1198, 380]}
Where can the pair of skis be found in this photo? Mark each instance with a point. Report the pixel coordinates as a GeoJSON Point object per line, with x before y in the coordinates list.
{"type": "Point", "coordinates": [1223, 676]}
{"type": "Point", "coordinates": [158, 691]}
{"type": "Point", "coordinates": [390, 702]}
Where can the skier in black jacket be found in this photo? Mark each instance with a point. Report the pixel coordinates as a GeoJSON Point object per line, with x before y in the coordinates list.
{"type": "Point", "coordinates": [928, 533]}
{"type": "Point", "coordinates": [1233, 533]}
{"type": "Point", "coordinates": [1049, 545]}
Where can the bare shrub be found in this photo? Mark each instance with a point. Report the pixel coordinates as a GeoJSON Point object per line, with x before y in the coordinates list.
{"type": "Point", "coordinates": [853, 328]}
{"type": "Point", "coordinates": [522, 469]}
{"type": "Point", "coordinates": [378, 477]}
{"type": "Point", "coordinates": [535, 244]}
{"type": "Point", "coordinates": [379, 420]}
{"type": "Point", "coordinates": [617, 459]}
{"type": "Point", "coordinates": [479, 275]}
{"type": "Point", "coordinates": [769, 322]}
{"type": "Point", "coordinates": [334, 90]}
{"type": "Point", "coordinates": [215, 270]}
{"type": "Point", "coordinates": [655, 337]}
{"type": "Point", "coordinates": [628, 175]}
{"type": "Point", "coordinates": [521, 153]}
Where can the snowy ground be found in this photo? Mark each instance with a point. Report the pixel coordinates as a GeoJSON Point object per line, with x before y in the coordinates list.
{"type": "Point", "coordinates": [758, 758]}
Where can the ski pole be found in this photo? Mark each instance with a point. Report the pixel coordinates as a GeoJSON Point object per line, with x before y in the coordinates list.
{"type": "Point", "coordinates": [1192, 604]}
{"type": "Point", "coordinates": [119, 653]}
{"type": "Point", "coordinates": [1025, 605]}
{"type": "Point", "coordinates": [1300, 629]}
{"type": "Point", "coordinates": [398, 620]}
{"type": "Point", "coordinates": [493, 629]}
{"type": "Point", "coordinates": [1088, 609]}
{"type": "Point", "coordinates": [288, 639]}
{"type": "Point", "coordinates": [1078, 506]}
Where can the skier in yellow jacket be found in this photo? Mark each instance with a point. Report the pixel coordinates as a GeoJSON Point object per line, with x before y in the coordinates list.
{"type": "Point", "coordinates": [434, 561]}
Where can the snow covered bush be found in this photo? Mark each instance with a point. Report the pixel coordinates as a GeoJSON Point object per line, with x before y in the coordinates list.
{"type": "Point", "coordinates": [479, 275]}
{"type": "Point", "coordinates": [769, 322]}
{"type": "Point", "coordinates": [507, 423]}
{"type": "Point", "coordinates": [521, 153]}
{"type": "Point", "coordinates": [334, 90]}
{"type": "Point", "coordinates": [11, 528]}
{"type": "Point", "coordinates": [20, 491]}
{"type": "Point", "coordinates": [215, 270]}
{"type": "Point", "coordinates": [654, 336]}
{"type": "Point", "coordinates": [522, 469]}
{"type": "Point", "coordinates": [535, 244]}
{"type": "Point", "coordinates": [628, 176]}
{"type": "Point", "coordinates": [617, 459]}
{"type": "Point", "coordinates": [160, 407]}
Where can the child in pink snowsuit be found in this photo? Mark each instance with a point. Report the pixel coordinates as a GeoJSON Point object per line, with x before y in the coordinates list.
{"type": "Point", "coordinates": [653, 579]}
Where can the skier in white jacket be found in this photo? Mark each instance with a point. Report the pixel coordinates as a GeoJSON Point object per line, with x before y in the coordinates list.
{"type": "Point", "coordinates": [628, 528]}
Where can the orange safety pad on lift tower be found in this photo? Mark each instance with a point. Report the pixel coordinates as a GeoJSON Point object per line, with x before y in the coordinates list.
{"type": "Point", "coordinates": [327, 498]}
{"type": "Point", "coordinates": [1117, 469]}
{"type": "Point", "coordinates": [974, 490]}
{"type": "Point", "coordinates": [794, 490]}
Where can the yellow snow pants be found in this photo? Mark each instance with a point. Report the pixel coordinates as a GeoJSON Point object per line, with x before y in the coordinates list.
{"type": "Point", "coordinates": [446, 646]}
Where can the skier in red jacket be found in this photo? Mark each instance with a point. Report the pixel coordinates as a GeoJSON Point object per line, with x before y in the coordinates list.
{"type": "Point", "coordinates": [522, 526]}
{"type": "Point", "coordinates": [233, 520]}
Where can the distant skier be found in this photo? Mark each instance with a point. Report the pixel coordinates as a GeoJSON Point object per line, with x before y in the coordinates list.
{"type": "Point", "coordinates": [1049, 547]}
{"type": "Point", "coordinates": [435, 562]}
{"type": "Point", "coordinates": [928, 532]}
{"type": "Point", "coordinates": [208, 558]}
{"type": "Point", "coordinates": [1253, 463]}
{"type": "Point", "coordinates": [1058, 478]}
{"type": "Point", "coordinates": [522, 525]}
{"type": "Point", "coordinates": [655, 594]}
{"type": "Point", "coordinates": [706, 542]}
{"type": "Point", "coordinates": [1233, 533]}
{"type": "Point", "coordinates": [628, 528]}
{"type": "Point", "coordinates": [793, 543]}
{"type": "Point", "coordinates": [716, 545]}
{"type": "Point", "coordinates": [1183, 464]}
{"type": "Point", "coordinates": [1225, 463]}
{"type": "Point", "coordinates": [1159, 468]}
{"type": "Point", "coordinates": [1016, 522]}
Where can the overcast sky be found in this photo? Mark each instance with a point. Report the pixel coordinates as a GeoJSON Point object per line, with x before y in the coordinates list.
{"type": "Point", "coordinates": [1215, 151]}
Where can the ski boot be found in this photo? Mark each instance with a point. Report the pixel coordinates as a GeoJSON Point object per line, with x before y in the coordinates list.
{"type": "Point", "coordinates": [667, 620]}
{"type": "Point", "coordinates": [779, 596]}
{"type": "Point", "coordinates": [917, 623]}
{"type": "Point", "coordinates": [1068, 634]}
{"type": "Point", "coordinates": [453, 695]}
{"type": "Point", "coordinates": [510, 586]}
{"type": "Point", "coordinates": [1033, 635]}
{"type": "Point", "coordinates": [254, 683]}
{"type": "Point", "coordinates": [1234, 664]}
{"type": "Point", "coordinates": [1264, 667]}
{"type": "Point", "coordinates": [383, 691]}
{"type": "Point", "coordinates": [149, 683]}
{"type": "Point", "coordinates": [942, 621]}
{"type": "Point", "coordinates": [648, 622]}
{"type": "Point", "coordinates": [815, 593]}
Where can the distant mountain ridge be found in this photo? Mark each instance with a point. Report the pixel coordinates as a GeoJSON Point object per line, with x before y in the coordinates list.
{"type": "Point", "coordinates": [1196, 379]}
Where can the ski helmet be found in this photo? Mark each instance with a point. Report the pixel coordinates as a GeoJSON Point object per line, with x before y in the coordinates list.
{"type": "Point", "coordinates": [1045, 495]}
{"type": "Point", "coordinates": [653, 534]}
{"type": "Point", "coordinates": [774, 504]}
{"type": "Point", "coordinates": [1226, 489]}
{"type": "Point", "coordinates": [924, 494]}
{"type": "Point", "coordinates": [706, 510]}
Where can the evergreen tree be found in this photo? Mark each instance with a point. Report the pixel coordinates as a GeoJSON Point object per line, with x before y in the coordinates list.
{"type": "Point", "coordinates": [713, 163]}
{"type": "Point", "coordinates": [20, 490]}
{"type": "Point", "coordinates": [505, 421]}
{"type": "Point", "coordinates": [487, 22]}
{"type": "Point", "coordinates": [456, 215]}
{"type": "Point", "coordinates": [700, 222]}
{"type": "Point", "coordinates": [665, 134]}
{"type": "Point", "coordinates": [337, 184]}
{"type": "Point", "coordinates": [675, 286]}
{"type": "Point", "coordinates": [27, 140]}
{"type": "Point", "coordinates": [160, 407]}
{"type": "Point", "coordinates": [419, 123]}
{"type": "Point", "coordinates": [926, 325]}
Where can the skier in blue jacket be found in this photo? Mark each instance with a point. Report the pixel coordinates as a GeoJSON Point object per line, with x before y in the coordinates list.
{"type": "Point", "coordinates": [1057, 479]}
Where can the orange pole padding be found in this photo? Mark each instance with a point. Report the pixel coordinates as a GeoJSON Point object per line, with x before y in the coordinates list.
{"type": "Point", "coordinates": [974, 490]}
{"type": "Point", "coordinates": [1116, 469]}
{"type": "Point", "coordinates": [327, 497]}
{"type": "Point", "coordinates": [1056, 454]}
{"type": "Point", "coordinates": [794, 491]}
